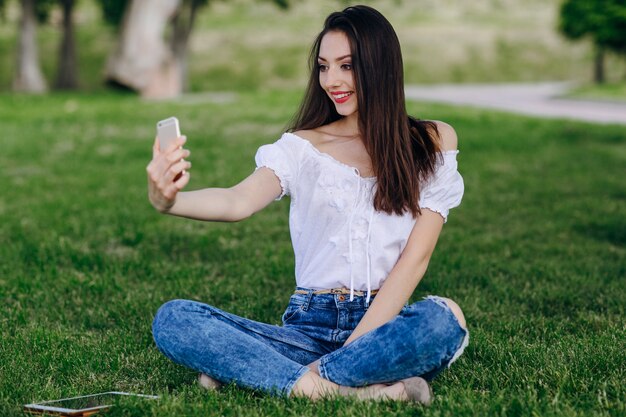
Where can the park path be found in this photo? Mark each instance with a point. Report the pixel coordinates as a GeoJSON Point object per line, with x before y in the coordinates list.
{"type": "Point", "coordinates": [533, 99]}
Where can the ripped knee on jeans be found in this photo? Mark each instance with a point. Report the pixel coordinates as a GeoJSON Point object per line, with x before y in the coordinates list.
{"type": "Point", "coordinates": [450, 305]}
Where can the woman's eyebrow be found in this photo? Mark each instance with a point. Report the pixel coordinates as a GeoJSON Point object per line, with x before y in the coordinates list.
{"type": "Point", "coordinates": [338, 59]}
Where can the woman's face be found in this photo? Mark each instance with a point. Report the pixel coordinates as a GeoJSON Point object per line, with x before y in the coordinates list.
{"type": "Point", "coordinates": [335, 69]}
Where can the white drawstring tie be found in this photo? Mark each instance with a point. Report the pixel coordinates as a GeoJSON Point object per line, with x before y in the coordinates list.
{"type": "Point", "coordinates": [354, 206]}
{"type": "Point", "coordinates": [369, 258]}
{"type": "Point", "coordinates": [367, 244]}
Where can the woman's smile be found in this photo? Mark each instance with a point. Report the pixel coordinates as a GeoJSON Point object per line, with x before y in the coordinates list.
{"type": "Point", "coordinates": [341, 96]}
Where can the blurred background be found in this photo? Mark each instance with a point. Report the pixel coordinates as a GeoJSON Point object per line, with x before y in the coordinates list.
{"type": "Point", "coordinates": [160, 48]}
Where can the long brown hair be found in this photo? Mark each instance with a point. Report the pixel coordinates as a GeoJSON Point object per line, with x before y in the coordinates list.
{"type": "Point", "coordinates": [403, 149]}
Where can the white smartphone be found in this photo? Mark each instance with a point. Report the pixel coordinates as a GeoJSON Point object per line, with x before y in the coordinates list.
{"type": "Point", "coordinates": [82, 406]}
{"type": "Point", "coordinates": [167, 131]}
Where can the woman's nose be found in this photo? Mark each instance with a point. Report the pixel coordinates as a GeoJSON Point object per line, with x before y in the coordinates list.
{"type": "Point", "coordinates": [332, 78]}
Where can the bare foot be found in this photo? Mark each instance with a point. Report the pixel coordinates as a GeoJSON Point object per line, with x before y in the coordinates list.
{"type": "Point", "coordinates": [418, 390]}
{"type": "Point", "coordinates": [209, 383]}
{"type": "Point", "coordinates": [412, 389]}
{"type": "Point", "coordinates": [415, 389]}
{"type": "Point", "coordinates": [395, 391]}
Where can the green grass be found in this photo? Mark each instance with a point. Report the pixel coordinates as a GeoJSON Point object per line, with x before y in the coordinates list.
{"type": "Point", "coordinates": [609, 91]}
{"type": "Point", "coordinates": [535, 256]}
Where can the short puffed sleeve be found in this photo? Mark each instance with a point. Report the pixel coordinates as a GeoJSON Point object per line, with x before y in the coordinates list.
{"type": "Point", "coordinates": [444, 190]}
{"type": "Point", "coordinates": [281, 157]}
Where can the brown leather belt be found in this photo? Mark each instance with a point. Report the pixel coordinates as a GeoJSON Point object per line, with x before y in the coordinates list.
{"type": "Point", "coordinates": [344, 291]}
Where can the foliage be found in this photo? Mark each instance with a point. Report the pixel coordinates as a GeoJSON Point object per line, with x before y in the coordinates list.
{"type": "Point", "coordinates": [113, 11]}
{"type": "Point", "coordinates": [602, 20]}
{"type": "Point", "coordinates": [534, 256]}
{"type": "Point", "coordinates": [43, 9]}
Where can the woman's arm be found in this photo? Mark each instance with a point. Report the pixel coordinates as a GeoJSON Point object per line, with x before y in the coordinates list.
{"type": "Point", "coordinates": [168, 174]}
{"type": "Point", "coordinates": [413, 261]}
{"type": "Point", "coordinates": [229, 204]}
{"type": "Point", "coordinates": [404, 276]}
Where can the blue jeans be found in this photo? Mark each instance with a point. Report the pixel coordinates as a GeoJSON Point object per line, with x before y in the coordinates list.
{"type": "Point", "coordinates": [422, 340]}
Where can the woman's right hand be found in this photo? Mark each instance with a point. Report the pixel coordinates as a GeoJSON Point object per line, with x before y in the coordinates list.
{"type": "Point", "coordinates": [168, 173]}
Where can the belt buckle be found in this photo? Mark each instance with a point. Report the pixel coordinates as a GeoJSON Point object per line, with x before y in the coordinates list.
{"type": "Point", "coordinates": [336, 290]}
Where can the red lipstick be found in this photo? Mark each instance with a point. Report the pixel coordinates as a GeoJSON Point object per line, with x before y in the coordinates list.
{"type": "Point", "coordinates": [341, 96]}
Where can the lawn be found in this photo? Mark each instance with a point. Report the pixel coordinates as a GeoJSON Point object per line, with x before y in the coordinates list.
{"type": "Point", "coordinates": [608, 91]}
{"type": "Point", "coordinates": [535, 256]}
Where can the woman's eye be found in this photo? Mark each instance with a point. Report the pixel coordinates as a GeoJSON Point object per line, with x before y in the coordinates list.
{"type": "Point", "coordinates": [347, 67]}
{"type": "Point", "coordinates": [322, 67]}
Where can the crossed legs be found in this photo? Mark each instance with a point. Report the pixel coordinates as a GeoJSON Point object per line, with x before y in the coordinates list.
{"type": "Point", "coordinates": [269, 358]}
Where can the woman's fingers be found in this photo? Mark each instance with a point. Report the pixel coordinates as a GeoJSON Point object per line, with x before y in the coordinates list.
{"type": "Point", "coordinates": [176, 155]}
{"type": "Point", "coordinates": [156, 148]}
{"type": "Point", "coordinates": [173, 172]}
{"type": "Point", "coordinates": [174, 164]}
{"type": "Point", "coordinates": [174, 187]}
{"type": "Point", "coordinates": [182, 181]}
{"type": "Point", "coordinates": [159, 166]}
{"type": "Point", "coordinates": [177, 169]}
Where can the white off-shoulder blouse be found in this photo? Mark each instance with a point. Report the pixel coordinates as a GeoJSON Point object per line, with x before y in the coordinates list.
{"type": "Point", "coordinates": [339, 240]}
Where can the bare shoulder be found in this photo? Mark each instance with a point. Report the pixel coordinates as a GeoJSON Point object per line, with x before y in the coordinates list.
{"type": "Point", "coordinates": [322, 136]}
{"type": "Point", "coordinates": [447, 134]}
{"type": "Point", "coordinates": [313, 135]}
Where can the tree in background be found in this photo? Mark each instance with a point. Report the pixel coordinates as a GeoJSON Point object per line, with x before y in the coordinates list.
{"type": "Point", "coordinates": [602, 20]}
{"type": "Point", "coordinates": [67, 70]}
{"type": "Point", "coordinates": [183, 24]}
{"type": "Point", "coordinates": [28, 76]}
{"type": "Point", "coordinates": [182, 21]}
{"type": "Point", "coordinates": [143, 59]}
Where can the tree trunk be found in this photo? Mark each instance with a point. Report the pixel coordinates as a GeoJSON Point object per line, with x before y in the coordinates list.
{"type": "Point", "coordinates": [182, 27]}
{"type": "Point", "coordinates": [598, 65]}
{"type": "Point", "coordinates": [67, 76]}
{"type": "Point", "coordinates": [142, 61]}
{"type": "Point", "coordinates": [28, 76]}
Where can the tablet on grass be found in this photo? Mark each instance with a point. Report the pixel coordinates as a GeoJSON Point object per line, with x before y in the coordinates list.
{"type": "Point", "coordinates": [82, 406]}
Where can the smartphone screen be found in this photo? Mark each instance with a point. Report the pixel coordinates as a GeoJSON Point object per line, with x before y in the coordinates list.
{"type": "Point", "coordinates": [167, 131]}
{"type": "Point", "coordinates": [82, 406]}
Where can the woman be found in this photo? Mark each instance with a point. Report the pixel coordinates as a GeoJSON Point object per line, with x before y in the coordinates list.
{"type": "Point", "coordinates": [370, 191]}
